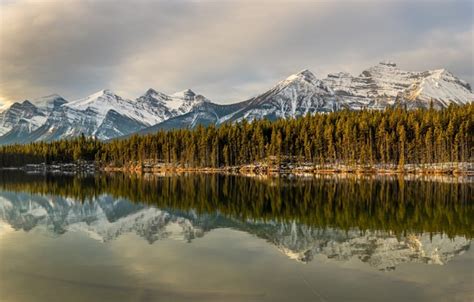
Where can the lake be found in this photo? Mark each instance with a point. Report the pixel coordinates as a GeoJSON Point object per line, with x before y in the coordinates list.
{"type": "Point", "coordinates": [209, 237]}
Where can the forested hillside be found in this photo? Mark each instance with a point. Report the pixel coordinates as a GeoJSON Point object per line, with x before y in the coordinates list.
{"type": "Point", "coordinates": [367, 137]}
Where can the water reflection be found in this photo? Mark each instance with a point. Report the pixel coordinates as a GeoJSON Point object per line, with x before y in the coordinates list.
{"type": "Point", "coordinates": [382, 222]}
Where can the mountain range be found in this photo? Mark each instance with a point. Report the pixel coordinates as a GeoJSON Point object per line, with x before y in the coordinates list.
{"type": "Point", "coordinates": [105, 115]}
{"type": "Point", "coordinates": [105, 218]}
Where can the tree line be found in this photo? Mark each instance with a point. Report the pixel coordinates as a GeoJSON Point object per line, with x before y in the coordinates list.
{"type": "Point", "coordinates": [394, 136]}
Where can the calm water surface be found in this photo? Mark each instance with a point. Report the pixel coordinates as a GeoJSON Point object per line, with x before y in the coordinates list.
{"type": "Point", "coordinates": [229, 238]}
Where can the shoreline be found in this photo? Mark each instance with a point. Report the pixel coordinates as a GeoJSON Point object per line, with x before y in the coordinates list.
{"type": "Point", "coordinates": [455, 169]}
{"type": "Point", "coordinates": [446, 169]}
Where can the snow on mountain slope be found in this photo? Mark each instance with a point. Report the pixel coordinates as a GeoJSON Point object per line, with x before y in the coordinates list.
{"type": "Point", "coordinates": [297, 95]}
{"type": "Point", "coordinates": [65, 122]}
{"type": "Point", "coordinates": [439, 87]}
{"type": "Point", "coordinates": [116, 125]}
{"type": "Point", "coordinates": [21, 119]}
{"type": "Point", "coordinates": [182, 101]}
{"type": "Point", "coordinates": [203, 113]}
{"type": "Point", "coordinates": [385, 85]}
{"type": "Point", "coordinates": [156, 103]}
{"type": "Point", "coordinates": [384, 79]}
{"type": "Point", "coordinates": [103, 101]}
{"type": "Point", "coordinates": [165, 106]}
{"type": "Point", "coordinates": [376, 87]}
{"type": "Point", "coordinates": [69, 123]}
{"type": "Point", "coordinates": [106, 115]}
{"type": "Point", "coordinates": [30, 116]}
{"type": "Point", "coordinates": [49, 102]}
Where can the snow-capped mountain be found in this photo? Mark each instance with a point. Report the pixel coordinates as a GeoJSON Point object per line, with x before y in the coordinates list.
{"type": "Point", "coordinates": [100, 103]}
{"type": "Point", "coordinates": [106, 218]}
{"type": "Point", "coordinates": [385, 84]}
{"type": "Point", "coordinates": [90, 116]}
{"type": "Point", "coordinates": [203, 113]}
{"type": "Point", "coordinates": [377, 87]}
{"type": "Point", "coordinates": [164, 107]}
{"type": "Point", "coordinates": [439, 87]}
{"type": "Point", "coordinates": [21, 112]}
{"type": "Point", "coordinates": [22, 118]}
{"type": "Point", "coordinates": [297, 95]}
{"type": "Point", "coordinates": [106, 115]}
{"type": "Point", "coordinates": [151, 108]}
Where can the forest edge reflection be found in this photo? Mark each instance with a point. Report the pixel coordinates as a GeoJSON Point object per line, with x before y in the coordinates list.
{"type": "Point", "coordinates": [399, 205]}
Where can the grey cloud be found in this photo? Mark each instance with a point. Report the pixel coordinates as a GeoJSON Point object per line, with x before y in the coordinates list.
{"type": "Point", "coordinates": [225, 50]}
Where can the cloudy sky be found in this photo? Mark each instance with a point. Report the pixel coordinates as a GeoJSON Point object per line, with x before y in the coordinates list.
{"type": "Point", "coordinates": [225, 50]}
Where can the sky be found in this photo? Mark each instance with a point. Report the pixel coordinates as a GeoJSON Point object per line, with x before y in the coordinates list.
{"type": "Point", "coordinates": [225, 50]}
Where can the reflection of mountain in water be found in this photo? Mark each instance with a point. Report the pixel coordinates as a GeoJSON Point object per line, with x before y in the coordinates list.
{"type": "Point", "coordinates": [106, 218]}
{"type": "Point", "coordinates": [380, 249]}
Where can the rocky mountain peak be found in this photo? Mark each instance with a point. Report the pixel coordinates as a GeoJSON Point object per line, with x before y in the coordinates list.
{"type": "Point", "coordinates": [441, 72]}
{"type": "Point", "coordinates": [97, 96]}
{"type": "Point", "coordinates": [388, 64]}
{"type": "Point", "coordinates": [151, 91]}
{"type": "Point", "coordinates": [303, 76]}
{"type": "Point", "coordinates": [200, 99]}
{"type": "Point", "coordinates": [49, 102]}
{"type": "Point", "coordinates": [27, 103]}
{"type": "Point", "coordinates": [187, 95]}
{"type": "Point", "coordinates": [154, 96]}
{"type": "Point", "coordinates": [306, 73]}
{"type": "Point", "coordinates": [339, 75]}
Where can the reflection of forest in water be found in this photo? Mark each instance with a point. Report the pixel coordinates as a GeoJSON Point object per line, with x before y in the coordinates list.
{"type": "Point", "coordinates": [367, 203]}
